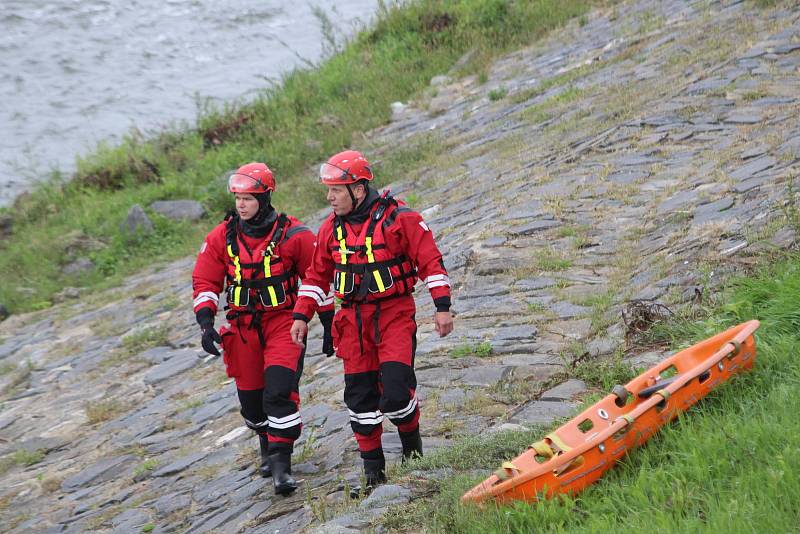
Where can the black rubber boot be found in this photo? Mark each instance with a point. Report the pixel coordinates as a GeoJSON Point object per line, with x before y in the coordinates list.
{"type": "Point", "coordinates": [374, 472]}
{"type": "Point", "coordinates": [412, 445]}
{"type": "Point", "coordinates": [281, 463]}
{"type": "Point", "coordinates": [264, 469]}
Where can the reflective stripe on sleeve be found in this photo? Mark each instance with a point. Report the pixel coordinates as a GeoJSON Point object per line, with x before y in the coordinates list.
{"type": "Point", "coordinates": [206, 296]}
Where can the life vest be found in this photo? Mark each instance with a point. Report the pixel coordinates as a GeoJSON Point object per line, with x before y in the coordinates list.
{"type": "Point", "coordinates": [365, 271]}
{"type": "Point", "coordinates": [265, 284]}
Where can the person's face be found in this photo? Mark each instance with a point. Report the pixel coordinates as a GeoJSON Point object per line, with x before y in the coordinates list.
{"type": "Point", "coordinates": [340, 200]}
{"type": "Point", "coordinates": [246, 206]}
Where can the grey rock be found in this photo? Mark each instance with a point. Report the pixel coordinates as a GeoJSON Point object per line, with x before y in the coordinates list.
{"type": "Point", "coordinates": [712, 210]}
{"type": "Point", "coordinates": [485, 375]}
{"type": "Point", "coordinates": [543, 412]}
{"type": "Point", "coordinates": [179, 362]}
{"type": "Point", "coordinates": [78, 266]}
{"type": "Point", "coordinates": [755, 166]}
{"type": "Point", "coordinates": [565, 391]}
{"type": "Point", "coordinates": [211, 410]}
{"type": "Point", "coordinates": [739, 117]}
{"type": "Point", "coordinates": [179, 210]}
{"type": "Point", "coordinates": [440, 80]}
{"type": "Point", "coordinates": [136, 222]}
{"type": "Point", "coordinates": [601, 346]}
{"type": "Point", "coordinates": [101, 471]}
{"type": "Point", "coordinates": [526, 332]}
{"type": "Point", "coordinates": [224, 516]}
{"type": "Point", "coordinates": [179, 465]}
{"type": "Point", "coordinates": [291, 523]}
{"type": "Point", "coordinates": [532, 284]}
{"type": "Point", "coordinates": [386, 495]}
{"type": "Point", "coordinates": [567, 310]}
{"type": "Point", "coordinates": [753, 152]}
{"type": "Point", "coordinates": [171, 503]}
{"type": "Point", "coordinates": [534, 227]}
{"type": "Point", "coordinates": [131, 520]}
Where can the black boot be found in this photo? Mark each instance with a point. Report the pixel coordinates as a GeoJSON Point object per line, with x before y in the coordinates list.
{"type": "Point", "coordinates": [374, 472]}
{"type": "Point", "coordinates": [412, 445]}
{"type": "Point", "coordinates": [264, 468]}
{"type": "Point", "coordinates": [281, 463]}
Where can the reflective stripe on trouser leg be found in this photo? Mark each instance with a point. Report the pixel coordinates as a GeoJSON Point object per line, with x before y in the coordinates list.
{"type": "Point", "coordinates": [252, 411]}
{"type": "Point", "coordinates": [361, 395]}
{"type": "Point", "coordinates": [281, 404]}
{"type": "Point", "coordinates": [399, 401]}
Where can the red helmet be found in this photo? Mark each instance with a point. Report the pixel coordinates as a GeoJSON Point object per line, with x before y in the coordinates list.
{"type": "Point", "coordinates": [345, 168]}
{"type": "Point", "coordinates": [252, 178]}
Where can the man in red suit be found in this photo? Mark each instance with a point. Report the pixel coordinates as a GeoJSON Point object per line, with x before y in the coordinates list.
{"type": "Point", "coordinates": [373, 249]}
{"type": "Point", "coordinates": [257, 255]}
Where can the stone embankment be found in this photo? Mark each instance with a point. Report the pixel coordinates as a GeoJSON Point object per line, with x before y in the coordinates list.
{"type": "Point", "coordinates": [644, 152]}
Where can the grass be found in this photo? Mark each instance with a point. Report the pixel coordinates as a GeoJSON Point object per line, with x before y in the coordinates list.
{"type": "Point", "coordinates": [481, 350]}
{"type": "Point", "coordinates": [728, 465]}
{"type": "Point", "coordinates": [291, 125]}
{"type": "Point", "coordinates": [103, 410]}
{"type": "Point", "coordinates": [21, 458]}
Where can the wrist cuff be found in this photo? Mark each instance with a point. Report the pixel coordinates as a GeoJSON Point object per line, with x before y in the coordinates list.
{"type": "Point", "coordinates": [300, 317]}
{"type": "Point", "coordinates": [442, 304]}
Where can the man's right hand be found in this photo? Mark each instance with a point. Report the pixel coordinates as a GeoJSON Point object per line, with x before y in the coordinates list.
{"type": "Point", "coordinates": [210, 335]}
{"type": "Point", "coordinates": [205, 318]}
{"type": "Point", "coordinates": [299, 331]}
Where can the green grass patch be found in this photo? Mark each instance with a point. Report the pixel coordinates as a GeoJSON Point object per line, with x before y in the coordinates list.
{"type": "Point", "coordinates": [481, 350]}
{"type": "Point", "coordinates": [730, 464]}
{"type": "Point", "coordinates": [552, 260]}
{"type": "Point", "coordinates": [21, 458]}
{"type": "Point", "coordinates": [498, 94]}
{"type": "Point", "coordinates": [292, 126]}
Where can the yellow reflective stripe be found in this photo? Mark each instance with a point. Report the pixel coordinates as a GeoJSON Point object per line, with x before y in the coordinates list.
{"type": "Point", "coordinates": [342, 244]}
{"type": "Point", "coordinates": [272, 297]}
{"type": "Point", "coordinates": [370, 257]}
{"type": "Point", "coordinates": [267, 268]}
{"type": "Point", "coordinates": [237, 269]}
{"type": "Point", "coordinates": [379, 281]}
{"type": "Point", "coordinates": [237, 292]}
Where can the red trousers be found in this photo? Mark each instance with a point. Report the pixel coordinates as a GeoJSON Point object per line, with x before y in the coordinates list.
{"type": "Point", "coordinates": [377, 342]}
{"type": "Point", "coordinates": [271, 367]}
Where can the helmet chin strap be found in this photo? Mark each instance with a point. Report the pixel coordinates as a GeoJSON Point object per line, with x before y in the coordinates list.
{"type": "Point", "coordinates": [352, 198]}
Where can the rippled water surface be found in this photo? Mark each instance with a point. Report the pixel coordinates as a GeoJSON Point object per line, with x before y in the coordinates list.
{"type": "Point", "coordinates": [74, 72]}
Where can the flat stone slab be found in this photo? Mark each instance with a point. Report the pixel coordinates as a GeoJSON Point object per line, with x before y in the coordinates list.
{"type": "Point", "coordinates": [565, 391]}
{"type": "Point", "coordinates": [179, 465]}
{"type": "Point", "coordinates": [180, 362]}
{"type": "Point", "coordinates": [543, 412]}
{"type": "Point", "coordinates": [754, 166]}
{"type": "Point", "coordinates": [101, 471]}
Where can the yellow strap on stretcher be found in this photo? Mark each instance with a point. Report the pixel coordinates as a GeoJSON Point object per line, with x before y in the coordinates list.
{"type": "Point", "coordinates": [506, 471]}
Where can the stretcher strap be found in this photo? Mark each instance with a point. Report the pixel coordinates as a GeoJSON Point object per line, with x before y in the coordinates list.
{"type": "Point", "coordinates": [506, 471]}
{"type": "Point", "coordinates": [737, 348]}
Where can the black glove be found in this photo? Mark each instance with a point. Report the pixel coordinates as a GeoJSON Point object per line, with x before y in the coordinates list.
{"type": "Point", "coordinates": [205, 318]}
{"type": "Point", "coordinates": [326, 318]}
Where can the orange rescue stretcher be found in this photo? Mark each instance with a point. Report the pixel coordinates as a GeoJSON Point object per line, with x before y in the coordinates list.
{"type": "Point", "coordinates": [580, 451]}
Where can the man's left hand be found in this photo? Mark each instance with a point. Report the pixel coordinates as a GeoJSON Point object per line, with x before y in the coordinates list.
{"type": "Point", "coordinates": [443, 321]}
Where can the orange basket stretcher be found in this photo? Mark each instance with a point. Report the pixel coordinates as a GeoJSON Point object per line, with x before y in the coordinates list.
{"type": "Point", "coordinates": [580, 451]}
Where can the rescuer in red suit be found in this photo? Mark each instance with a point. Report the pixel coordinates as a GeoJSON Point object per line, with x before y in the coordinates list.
{"type": "Point", "coordinates": [373, 249]}
{"type": "Point", "coordinates": [257, 256]}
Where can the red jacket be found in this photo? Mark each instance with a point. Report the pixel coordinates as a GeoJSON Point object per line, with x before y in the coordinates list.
{"type": "Point", "coordinates": [401, 242]}
{"type": "Point", "coordinates": [216, 268]}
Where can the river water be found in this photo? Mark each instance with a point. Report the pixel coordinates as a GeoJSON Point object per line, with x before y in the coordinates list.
{"type": "Point", "coordinates": [76, 72]}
